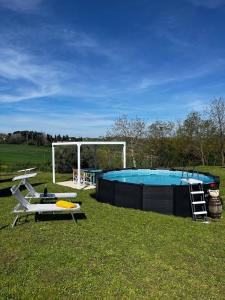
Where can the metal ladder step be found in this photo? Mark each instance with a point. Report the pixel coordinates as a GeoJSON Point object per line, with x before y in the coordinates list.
{"type": "Point", "coordinates": [197, 197]}
{"type": "Point", "coordinates": [204, 212]}
{"type": "Point", "coordinates": [197, 192]}
{"type": "Point", "coordinates": [198, 202]}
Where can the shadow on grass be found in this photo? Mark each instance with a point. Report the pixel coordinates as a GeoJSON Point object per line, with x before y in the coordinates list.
{"type": "Point", "coordinates": [93, 195]}
{"type": "Point", "coordinates": [57, 217]}
{"type": "Point", "coordinates": [3, 227]}
{"type": "Point", "coordinates": [7, 193]}
{"type": "Point", "coordinates": [46, 218]}
{"type": "Point", "coordinates": [5, 180]}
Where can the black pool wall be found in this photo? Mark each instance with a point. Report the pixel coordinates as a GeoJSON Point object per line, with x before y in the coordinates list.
{"type": "Point", "coordinates": [171, 200]}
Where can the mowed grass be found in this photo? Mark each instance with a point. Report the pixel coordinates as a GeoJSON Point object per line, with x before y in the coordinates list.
{"type": "Point", "coordinates": [115, 253]}
{"type": "Point", "coordinates": [16, 156]}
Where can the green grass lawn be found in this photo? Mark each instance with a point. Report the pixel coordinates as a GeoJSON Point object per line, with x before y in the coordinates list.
{"type": "Point", "coordinates": [115, 253]}
{"type": "Point", "coordinates": [13, 157]}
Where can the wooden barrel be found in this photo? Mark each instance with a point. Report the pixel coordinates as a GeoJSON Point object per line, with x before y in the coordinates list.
{"type": "Point", "coordinates": [215, 207]}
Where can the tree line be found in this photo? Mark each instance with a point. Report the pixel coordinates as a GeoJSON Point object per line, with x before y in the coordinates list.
{"type": "Point", "coordinates": [198, 139]}
{"type": "Point", "coordinates": [34, 138]}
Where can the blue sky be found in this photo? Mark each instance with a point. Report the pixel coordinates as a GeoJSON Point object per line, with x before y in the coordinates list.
{"type": "Point", "coordinates": [73, 67]}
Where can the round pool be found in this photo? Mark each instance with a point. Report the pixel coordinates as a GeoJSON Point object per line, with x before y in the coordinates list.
{"type": "Point", "coordinates": [160, 190]}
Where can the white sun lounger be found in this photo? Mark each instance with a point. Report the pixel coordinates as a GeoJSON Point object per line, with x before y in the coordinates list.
{"type": "Point", "coordinates": [24, 207]}
{"type": "Point", "coordinates": [24, 176]}
{"type": "Point", "coordinates": [25, 171]}
{"type": "Point", "coordinates": [32, 193]}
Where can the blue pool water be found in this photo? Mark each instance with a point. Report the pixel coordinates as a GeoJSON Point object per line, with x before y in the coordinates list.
{"type": "Point", "coordinates": [155, 177]}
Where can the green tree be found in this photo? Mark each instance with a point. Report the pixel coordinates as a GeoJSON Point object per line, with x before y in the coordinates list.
{"type": "Point", "coordinates": [217, 116]}
{"type": "Point", "coordinates": [160, 136]}
{"type": "Point", "coordinates": [132, 131]}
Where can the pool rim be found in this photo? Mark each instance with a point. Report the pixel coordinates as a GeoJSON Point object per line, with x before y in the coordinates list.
{"type": "Point", "coordinates": [216, 178]}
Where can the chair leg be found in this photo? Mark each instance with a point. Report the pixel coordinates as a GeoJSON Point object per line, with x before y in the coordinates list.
{"type": "Point", "coordinates": [73, 218]}
{"type": "Point", "coordinates": [15, 221]}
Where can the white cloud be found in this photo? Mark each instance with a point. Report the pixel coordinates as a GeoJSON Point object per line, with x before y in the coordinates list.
{"type": "Point", "coordinates": [76, 124]}
{"type": "Point", "coordinates": [26, 78]}
{"type": "Point", "coordinates": [165, 78]}
{"type": "Point", "coordinates": [25, 6]}
{"type": "Point", "coordinates": [25, 96]}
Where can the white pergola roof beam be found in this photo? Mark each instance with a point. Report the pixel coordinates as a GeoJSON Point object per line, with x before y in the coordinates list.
{"type": "Point", "coordinates": [87, 143]}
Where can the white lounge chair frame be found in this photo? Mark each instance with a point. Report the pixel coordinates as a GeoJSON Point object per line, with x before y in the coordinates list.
{"type": "Point", "coordinates": [33, 194]}
{"type": "Point", "coordinates": [24, 207]}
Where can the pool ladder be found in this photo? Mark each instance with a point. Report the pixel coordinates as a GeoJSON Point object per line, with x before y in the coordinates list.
{"type": "Point", "coordinates": [197, 198]}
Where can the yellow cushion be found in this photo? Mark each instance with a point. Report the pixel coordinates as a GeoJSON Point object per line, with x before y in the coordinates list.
{"type": "Point", "coordinates": [65, 204]}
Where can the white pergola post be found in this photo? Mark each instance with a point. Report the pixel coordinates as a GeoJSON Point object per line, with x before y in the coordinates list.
{"type": "Point", "coordinates": [53, 164]}
{"type": "Point", "coordinates": [78, 164]}
{"type": "Point", "coordinates": [79, 144]}
{"type": "Point", "coordinates": [124, 156]}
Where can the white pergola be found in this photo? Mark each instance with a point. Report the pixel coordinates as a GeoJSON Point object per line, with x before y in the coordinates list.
{"type": "Point", "coordinates": [79, 144]}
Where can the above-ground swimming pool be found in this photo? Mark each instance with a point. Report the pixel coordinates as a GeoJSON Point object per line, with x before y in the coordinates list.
{"type": "Point", "coordinates": [157, 190]}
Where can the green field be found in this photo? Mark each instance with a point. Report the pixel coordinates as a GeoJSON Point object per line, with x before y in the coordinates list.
{"type": "Point", "coordinates": [14, 157]}
{"type": "Point", "coordinates": [112, 253]}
